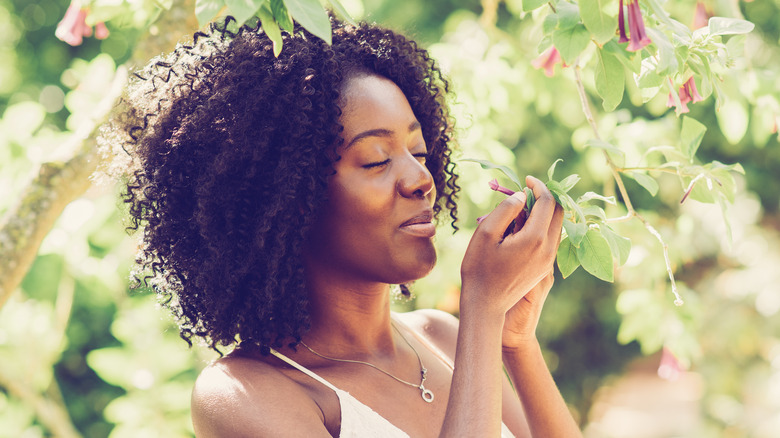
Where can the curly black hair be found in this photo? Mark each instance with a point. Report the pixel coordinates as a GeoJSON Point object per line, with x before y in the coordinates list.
{"type": "Point", "coordinates": [229, 150]}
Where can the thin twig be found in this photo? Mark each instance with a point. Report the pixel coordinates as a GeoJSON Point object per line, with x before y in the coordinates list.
{"type": "Point", "coordinates": [52, 415]}
{"type": "Point", "coordinates": [631, 213]}
{"type": "Point", "coordinates": [649, 169]}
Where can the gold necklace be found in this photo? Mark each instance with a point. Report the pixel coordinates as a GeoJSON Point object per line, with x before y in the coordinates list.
{"type": "Point", "coordinates": [426, 394]}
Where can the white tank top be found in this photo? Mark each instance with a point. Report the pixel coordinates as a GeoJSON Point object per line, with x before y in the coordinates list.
{"type": "Point", "coordinates": [359, 420]}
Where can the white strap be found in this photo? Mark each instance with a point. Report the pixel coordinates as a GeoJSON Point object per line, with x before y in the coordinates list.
{"type": "Point", "coordinates": [303, 369]}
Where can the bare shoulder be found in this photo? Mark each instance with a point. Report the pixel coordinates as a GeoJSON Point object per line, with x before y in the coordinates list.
{"type": "Point", "coordinates": [440, 327]}
{"type": "Point", "coordinates": [238, 397]}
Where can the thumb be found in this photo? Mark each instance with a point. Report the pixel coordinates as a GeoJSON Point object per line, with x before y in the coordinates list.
{"type": "Point", "coordinates": [496, 223]}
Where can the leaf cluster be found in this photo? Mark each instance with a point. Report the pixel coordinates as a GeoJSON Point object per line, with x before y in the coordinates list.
{"type": "Point", "coordinates": [587, 239]}
{"type": "Point", "coordinates": [275, 16]}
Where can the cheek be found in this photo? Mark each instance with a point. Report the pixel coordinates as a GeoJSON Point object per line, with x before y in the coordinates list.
{"type": "Point", "coordinates": [356, 201]}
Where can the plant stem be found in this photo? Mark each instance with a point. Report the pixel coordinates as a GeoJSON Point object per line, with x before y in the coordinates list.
{"type": "Point", "coordinates": [52, 415]}
{"type": "Point", "coordinates": [650, 169]}
{"type": "Point", "coordinates": [631, 213]}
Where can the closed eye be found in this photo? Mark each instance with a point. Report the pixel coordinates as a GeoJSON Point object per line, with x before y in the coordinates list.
{"type": "Point", "coordinates": [377, 164]}
{"type": "Point", "coordinates": [423, 155]}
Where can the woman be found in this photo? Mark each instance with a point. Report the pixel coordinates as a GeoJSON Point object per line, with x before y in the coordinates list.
{"type": "Point", "coordinates": [280, 199]}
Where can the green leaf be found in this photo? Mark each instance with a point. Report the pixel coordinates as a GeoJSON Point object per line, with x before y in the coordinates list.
{"type": "Point", "coordinates": [648, 182]}
{"type": "Point", "coordinates": [568, 15]}
{"type": "Point", "coordinates": [726, 221]}
{"type": "Point", "coordinates": [271, 29]}
{"type": "Point", "coordinates": [595, 212]}
{"type": "Point", "coordinates": [596, 20]}
{"type": "Point", "coordinates": [680, 30]}
{"type": "Point", "coordinates": [205, 10]}
{"type": "Point", "coordinates": [103, 12]}
{"type": "Point", "coordinates": [575, 231]}
{"type": "Point", "coordinates": [567, 258]}
{"type": "Point", "coordinates": [507, 171]}
{"type": "Point", "coordinates": [530, 5]}
{"type": "Point", "coordinates": [631, 63]}
{"type": "Point", "coordinates": [690, 136]}
{"type": "Point", "coordinates": [569, 182]}
{"type": "Point", "coordinates": [610, 80]}
{"type": "Point", "coordinates": [729, 26]}
{"type": "Point", "coordinates": [112, 366]}
{"type": "Point", "coordinates": [589, 196]}
{"type": "Point", "coordinates": [341, 12]}
{"type": "Point", "coordinates": [595, 255]}
{"type": "Point", "coordinates": [621, 246]}
{"type": "Point", "coordinates": [571, 42]}
{"type": "Point", "coordinates": [649, 77]}
{"type": "Point", "coordinates": [282, 16]}
{"type": "Point", "coordinates": [242, 10]}
{"type": "Point", "coordinates": [311, 15]}
{"type": "Point", "coordinates": [724, 183]}
{"type": "Point", "coordinates": [551, 170]}
{"type": "Point", "coordinates": [530, 199]}
{"type": "Point", "coordinates": [667, 59]}
{"type": "Point", "coordinates": [549, 25]}
{"type": "Point", "coordinates": [618, 156]}
{"type": "Point", "coordinates": [733, 120]}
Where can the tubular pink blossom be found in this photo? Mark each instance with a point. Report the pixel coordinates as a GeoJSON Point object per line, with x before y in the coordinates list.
{"type": "Point", "coordinates": [669, 368]}
{"type": "Point", "coordinates": [497, 187]}
{"type": "Point", "coordinates": [638, 38]}
{"type": "Point", "coordinates": [691, 91]}
{"type": "Point", "coordinates": [700, 16]}
{"type": "Point", "coordinates": [101, 31]}
{"type": "Point", "coordinates": [547, 61]}
{"type": "Point", "coordinates": [73, 27]}
{"type": "Point", "coordinates": [683, 104]}
{"type": "Point", "coordinates": [622, 24]}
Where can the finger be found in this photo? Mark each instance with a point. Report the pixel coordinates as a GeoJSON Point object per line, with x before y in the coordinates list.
{"type": "Point", "coordinates": [542, 213]}
{"type": "Point", "coordinates": [554, 232]}
{"type": "Point", "coordinates": [502, 216]}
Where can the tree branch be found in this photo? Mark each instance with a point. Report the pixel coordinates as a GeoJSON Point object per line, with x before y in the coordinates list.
{"type": "Point", "coordinates": [621, 187]}
{"type": "Point", "coordinates": [57, 183]}
{"type": "Point", "coordinates": [51, 414]}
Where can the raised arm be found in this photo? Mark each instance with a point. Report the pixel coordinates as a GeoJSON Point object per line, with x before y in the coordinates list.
{"type": "Point", "coordinates": [504, 282]}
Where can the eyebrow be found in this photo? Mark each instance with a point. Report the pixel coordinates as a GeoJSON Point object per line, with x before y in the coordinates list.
{"type": "Point", "coordinates": [381, 132]}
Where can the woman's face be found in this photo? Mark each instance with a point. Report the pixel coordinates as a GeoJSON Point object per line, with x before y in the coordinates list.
{"type": "Point", "coordinates": [377, 225]}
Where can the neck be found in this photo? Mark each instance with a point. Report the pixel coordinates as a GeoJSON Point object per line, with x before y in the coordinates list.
{"type": "Point", "coordinates": [349, 317]}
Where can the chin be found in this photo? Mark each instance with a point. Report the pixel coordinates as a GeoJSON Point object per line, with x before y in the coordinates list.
{"type": "Point", "coordinates": [422, 266]}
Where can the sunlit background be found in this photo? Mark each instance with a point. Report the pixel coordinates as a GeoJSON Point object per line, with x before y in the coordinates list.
{"type": "Point", "coordinates": [80, 355]}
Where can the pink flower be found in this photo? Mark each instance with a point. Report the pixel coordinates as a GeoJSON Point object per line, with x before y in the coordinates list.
{"type": "Point", "coordinates": [669, 368]}
{"type": "Point", "coordinates": [637, 37]}
{"type": "Point", "coordinates": [687, 93]}
{"type": "Point", "coordinates": [547, 61]}
{"type": "Point", "coordinates": [497, 187]}
{"type": "Point", "coordinates": [622, 24]}
{"type": "Point", "coordinates": [701, 16]}
{"type": "Point", "coordinates": [73, 26]}
{"type": "Point", "coordinates": [636, 28]}
{"type": "Point", "coordinates": [101, 31]}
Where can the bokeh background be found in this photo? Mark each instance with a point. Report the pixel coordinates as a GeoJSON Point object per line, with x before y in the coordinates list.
{"type": "Point", "coordinates": [81, 355]}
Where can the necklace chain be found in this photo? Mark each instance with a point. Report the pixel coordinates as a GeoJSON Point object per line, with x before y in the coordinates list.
{"type": "Point", "coordinates": [426, 394]}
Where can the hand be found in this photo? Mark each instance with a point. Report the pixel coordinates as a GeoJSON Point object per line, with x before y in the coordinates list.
{"type": "Point", "coordinates": [499, 269]}
{"type": "Point", "coordinates": [521, 320]}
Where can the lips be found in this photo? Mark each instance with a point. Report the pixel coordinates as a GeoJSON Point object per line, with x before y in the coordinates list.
{"type": "Point", "coordinates": [420, 225]}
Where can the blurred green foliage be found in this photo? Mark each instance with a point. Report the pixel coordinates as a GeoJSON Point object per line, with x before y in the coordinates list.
{"type": "Point", "coordinates": [73, 334]}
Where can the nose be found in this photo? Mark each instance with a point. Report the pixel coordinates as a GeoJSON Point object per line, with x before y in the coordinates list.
{"type": "Point", "coordinates": [415, 181]}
